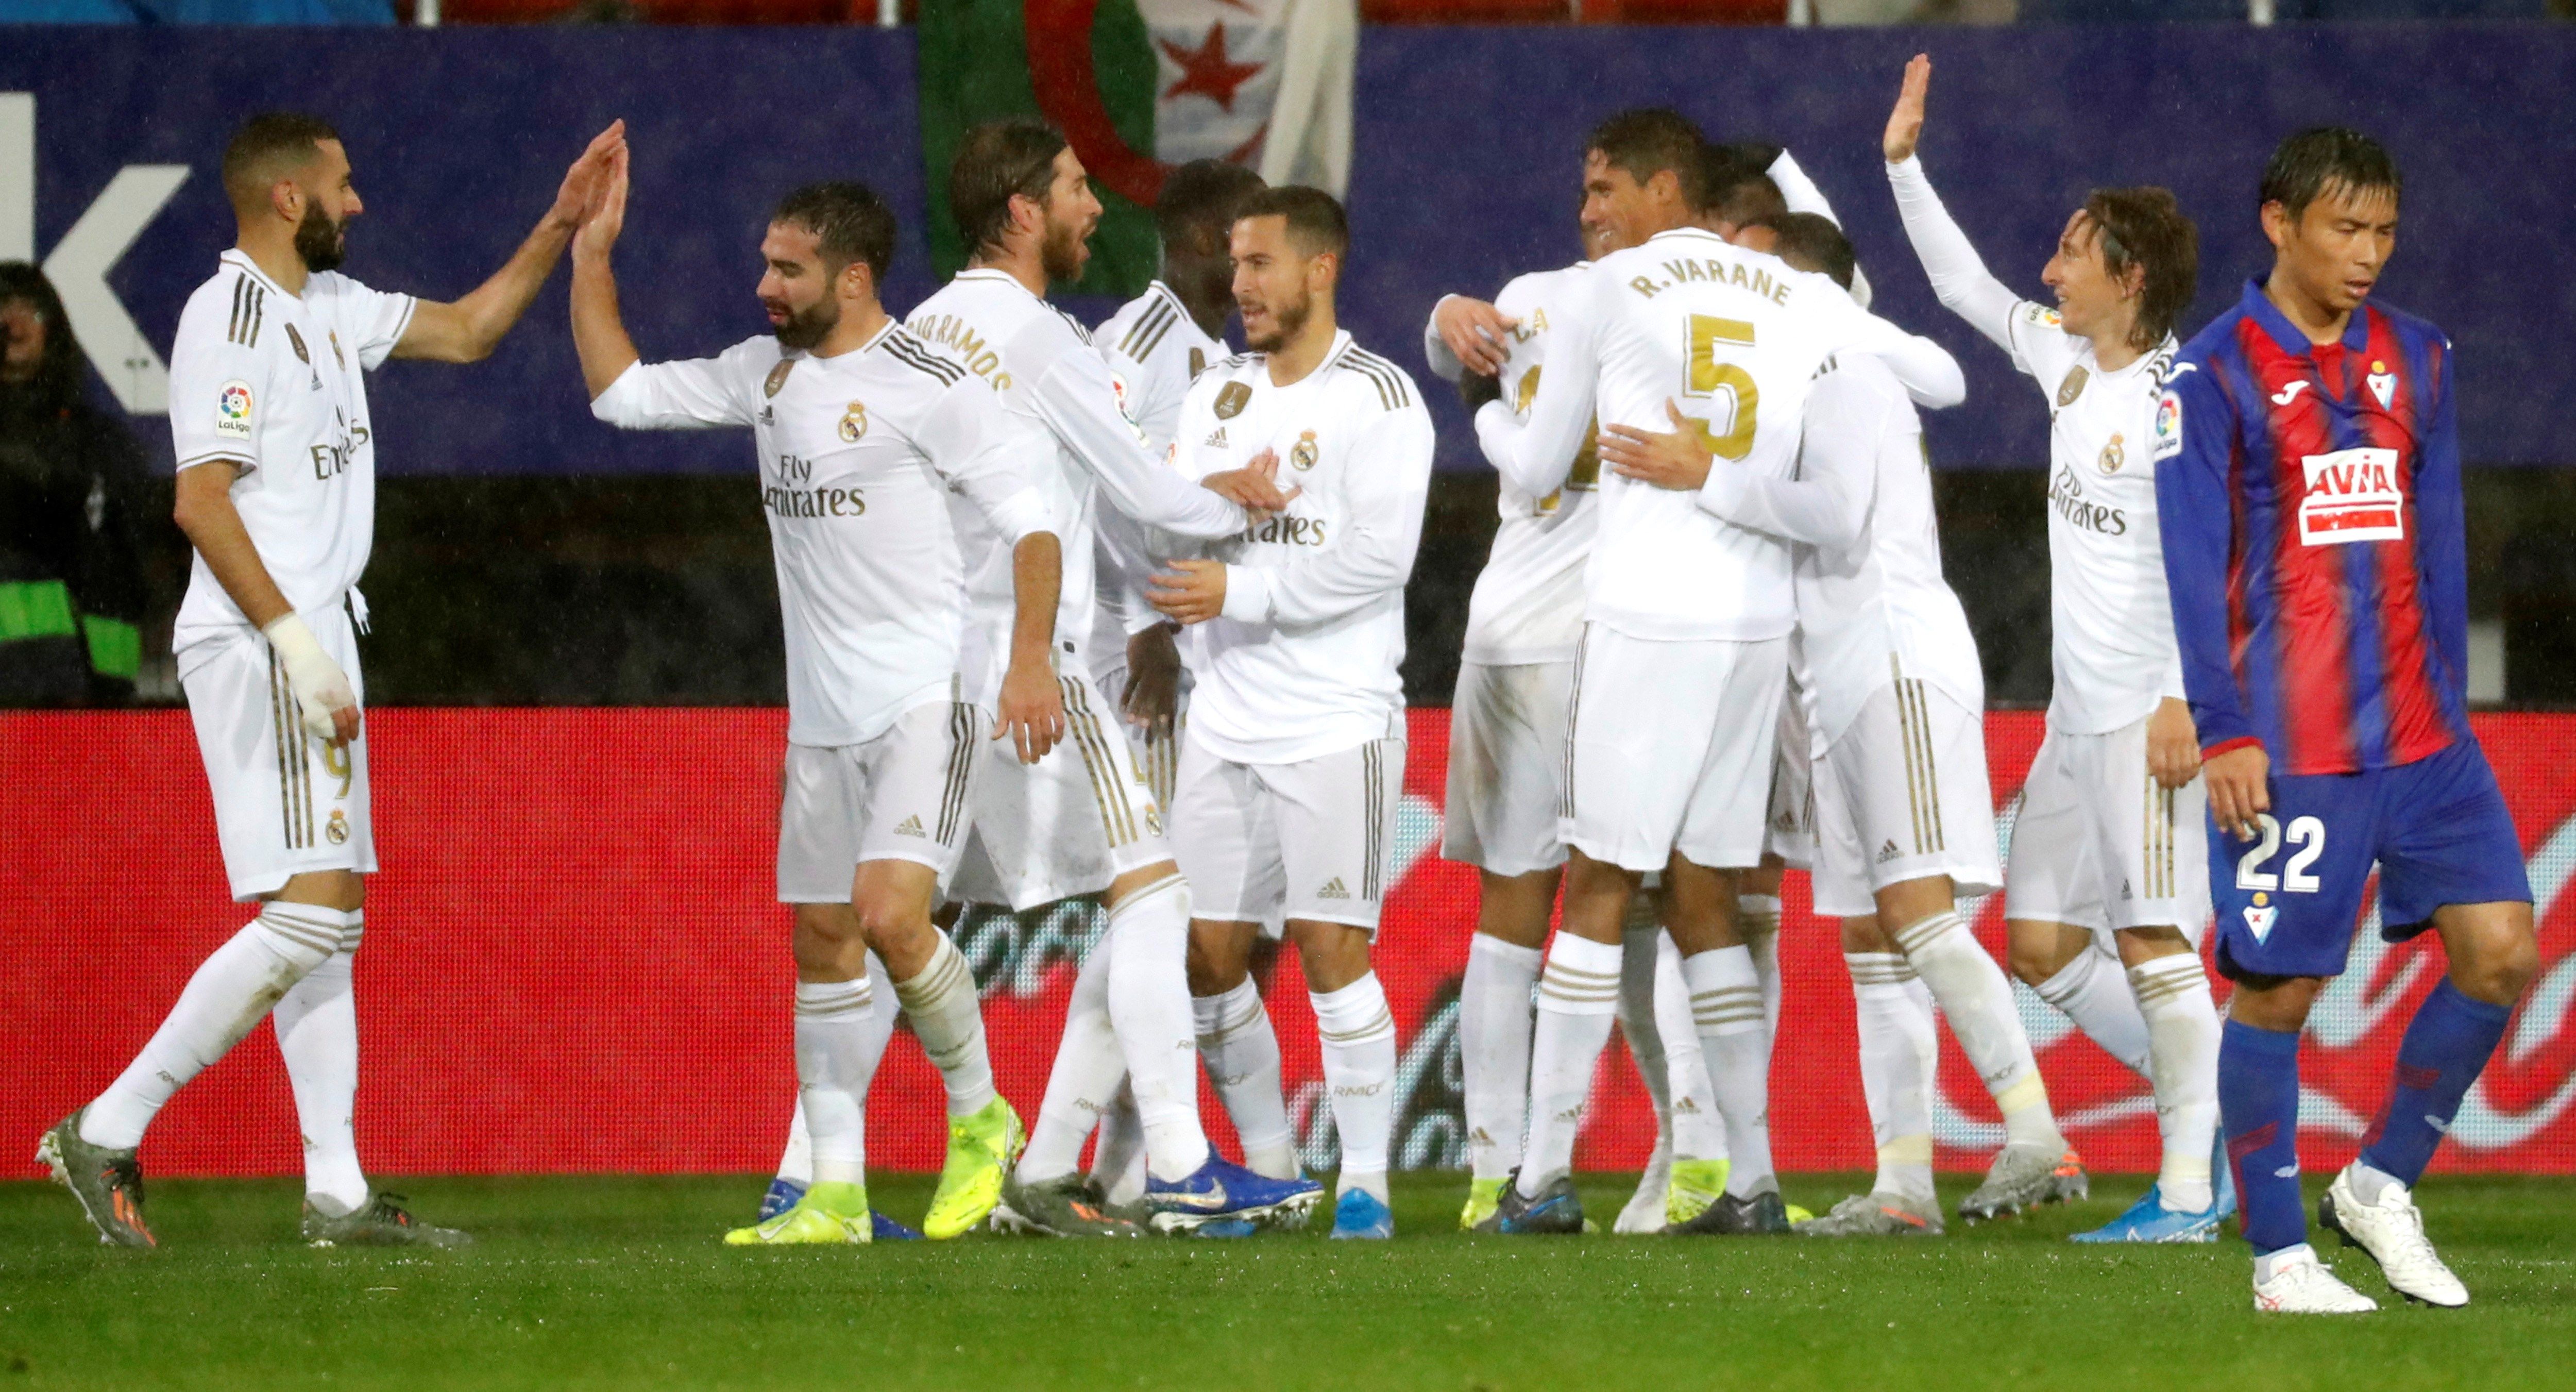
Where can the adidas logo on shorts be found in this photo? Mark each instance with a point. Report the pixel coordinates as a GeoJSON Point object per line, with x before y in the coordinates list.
{"type": "Point", "coordinates": [1888, 852]}
{"type": "Point", "coordinates": [911, 827]}
{"type": "Point", "coordinates": [1333, 889]}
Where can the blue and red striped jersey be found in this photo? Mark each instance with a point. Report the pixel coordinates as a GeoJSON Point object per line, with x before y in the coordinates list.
{"type": "Point", "coordinates": [2310, 499]}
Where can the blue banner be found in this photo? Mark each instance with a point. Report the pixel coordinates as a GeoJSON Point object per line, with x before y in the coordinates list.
{"type": "Point", "coordinates": [1465, 172]}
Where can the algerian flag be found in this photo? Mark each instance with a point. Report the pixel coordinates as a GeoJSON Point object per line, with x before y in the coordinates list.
{"type": "Point", "coordinates": [1139, 86]}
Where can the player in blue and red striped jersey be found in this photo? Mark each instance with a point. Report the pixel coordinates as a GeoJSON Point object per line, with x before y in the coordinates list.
{"type": "Point", "coordinates": [2308, 477]}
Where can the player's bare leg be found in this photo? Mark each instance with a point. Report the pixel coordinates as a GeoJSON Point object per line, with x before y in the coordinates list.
{"type": "Point", "coordinates": [2034, 1167]}
{"type": "Point", "coordinates": [1757, 918]}
{"type": "Point", "coordinates": [2493, 953]}
{"type": "Point", "coordinates": [1899, 1063]}
{"type": "Point", "coordinates": [1503, 958]}
{"type": "Point", "coordinates": [1356, 1033]}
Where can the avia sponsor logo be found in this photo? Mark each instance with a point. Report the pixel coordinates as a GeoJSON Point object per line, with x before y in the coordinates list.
{"type": "Point", "coordinates": [2066, 497]}
{"type": "Point", "coordinates": [786, 499]}
{"type": "Point", "coordinates": [970, 350]}
{"type": "Point", "coordinates": [2352, 496]}
{"type": "Point", "coordinates": [1287, 530]}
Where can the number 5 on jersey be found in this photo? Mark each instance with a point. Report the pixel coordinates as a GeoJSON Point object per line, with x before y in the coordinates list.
{"type": "Point", "coordinates": [1707, 376]}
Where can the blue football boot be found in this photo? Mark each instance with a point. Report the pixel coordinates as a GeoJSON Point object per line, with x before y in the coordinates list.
{"type": "Point", "coordinates": [884, 1229]}
{"type": "Point", "coordinates": [2148, 1220]}
{"type": "Point", "coordinates": [1360, 1216]}
{"type": "Point", "coordinates": [1220, 1191]}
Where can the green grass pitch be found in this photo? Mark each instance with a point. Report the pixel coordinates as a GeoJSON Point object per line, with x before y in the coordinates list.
{"type": "Point", "coordinates": [619, 1282]}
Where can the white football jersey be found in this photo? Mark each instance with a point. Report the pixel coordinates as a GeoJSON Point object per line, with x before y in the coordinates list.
{"type": "Point", "coordinates": [275, 385]}
{"type": "Point", "coordinates": [2112, 638]}
{"type": "Point", "coordinates": [1528, 601]}
{"type": "Point", "coordinates": [1154, 350]}
{"type": "Point", "coordinates": [1734, 336]}
{"type": "Point", "coordinates": [1303, 661]}
{"type": "Point", "coordinates": [1872, 604]}
{"type": "Point", "coordinates": [1062, 397]}
{"type": "Point", "coordinates": [859, 455]}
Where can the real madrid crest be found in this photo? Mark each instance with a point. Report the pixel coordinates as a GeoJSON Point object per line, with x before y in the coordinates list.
{"type": "Point", "coordinates": [2113, 456]}
{"type": "Point", "coordinates": [1303, 456]}
{"type": "Point", "coordinates": [295, 341]}
{"type": "Point", "coordinates": [2381, 381]}
{"type": "Point", "coordinates": [777, 377]}
{"type": "Point", "coordinates": [2072, 387]}
{"type": "Point", "coordinates": [1231, 399]}
{"type": "Point", "coordinates": [336, 831]}
{"type": "Point", "coordinates": [854, 422]}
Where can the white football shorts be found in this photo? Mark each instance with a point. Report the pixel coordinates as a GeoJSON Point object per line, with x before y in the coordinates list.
{"type": "Point", "coordinates": [1902, 794]}
{"type": "Point", "coordinates": [1791, 832]}
{"type": "Point", "coordinates": [1507, 766]}
{"type": "Point", "coordinates": [1157, 748]}
{"type": "Point", "coordinates": [2101, 845]}
{"type": "Point", "coordinates": [285, 802]}
{"type": "Point", "coordinates": [1262, 843]}
{"type": "Point", "coordinates": [1069, 823]}
{"type": "Point", "coordinates": [1671, 748]}
{"type": "Point", "coordinates": [901, 796]}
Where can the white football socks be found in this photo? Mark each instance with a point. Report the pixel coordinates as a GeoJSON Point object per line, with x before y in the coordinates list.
{"type": "Point", "coordinates": [1735, 1046]}
{"type": "Point", "coordinates": [1357, 1034]}
{"type": "Point", "coordinates": [1118, 1160]}
{"type": "Point", "coordinates": [1494, 1050]}
{"type": "Point", "coordinates": [317, 1033]}
{"type": "Point", "coordinates": [2091, 992]}
{"type": "Point", "coordinates": [834, 1065]}
{"type": "Point", "coordinates": [796, 1161]}
{"type": "Point", "coordinates": [1242, 1056]}
{"type": "Point", "coordinates": [1088, 1071]}
{"type": "Point", "coordinates": [1757, 921]}
{"type": "Point", "coordinates": [1149, 1006]}
{"type": "Point", "coordinates": [225, 999]}
{"type": "Point", "coordinates": [1699, 1127]}
{"type": "Point", "coordinates": [1977, 999]}
{"type": "Point", "coordinates": [948, 1018]}
{"type": "Point", "coordinates": [1578, 993]}
{"type": "Point", "coordinates": [1898, 1056]}
{"type": "Point", "coordinates": [2183, 1032]}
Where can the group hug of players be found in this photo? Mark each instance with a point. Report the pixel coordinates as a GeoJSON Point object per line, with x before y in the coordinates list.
{"type": "Point", "coordinates": [1119, 613]}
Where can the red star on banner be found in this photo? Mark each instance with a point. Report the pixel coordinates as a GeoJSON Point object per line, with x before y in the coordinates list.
{"type": "Point", "coordinates": [1208, 72]}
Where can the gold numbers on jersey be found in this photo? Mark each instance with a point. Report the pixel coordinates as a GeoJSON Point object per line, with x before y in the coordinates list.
{"type": "Point", "coordinates": [337, 763]}
{"type": "Point", "coordinates": [1707, 376]}
{"type": "Point", "coordinates": [1585, 476]}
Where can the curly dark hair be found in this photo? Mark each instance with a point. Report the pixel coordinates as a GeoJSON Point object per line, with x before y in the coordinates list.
{"type": "Point", "coordinates": [57, 383]}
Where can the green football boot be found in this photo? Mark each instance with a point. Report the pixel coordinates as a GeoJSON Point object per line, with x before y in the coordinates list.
{"type": "Point", "coordinates": [830, 1215]}
{"type": "Point", "coordinates": [1695, 1185]}
{"type": "Point", "coordinates": [379, 1222]}
{"type": "Point", "coordinates": [981, 1150]}
{"type": "Point", "coordinates": [108, 1183]}
{"type": "Point", "coordinates": [1482, 1197]}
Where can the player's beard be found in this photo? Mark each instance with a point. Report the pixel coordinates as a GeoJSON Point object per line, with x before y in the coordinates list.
{"type": "Point", "coordinates": [1287, 320]}
{"type": "Point", "coordinates": [806, 327]}
{"type": "Point", "coordinates": [1062, 254]}
{"type": "Point", "coordinates": [321, 242]}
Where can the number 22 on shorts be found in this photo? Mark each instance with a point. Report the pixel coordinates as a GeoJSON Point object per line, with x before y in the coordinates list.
{"type": "Point", "coordinates": [2306, 834]}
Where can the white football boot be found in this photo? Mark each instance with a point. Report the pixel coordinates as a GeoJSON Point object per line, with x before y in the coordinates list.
{"type": "Point", "coordinates": [1645, 1210]}
{"type": "Point", "coordinates": [2301, 1285]}
{"type": "Point", "coordinates": [2392, 1232]}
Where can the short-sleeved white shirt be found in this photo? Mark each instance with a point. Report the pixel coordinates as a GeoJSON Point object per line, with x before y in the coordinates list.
{"type": "Point", "coordinates": [275, 385]}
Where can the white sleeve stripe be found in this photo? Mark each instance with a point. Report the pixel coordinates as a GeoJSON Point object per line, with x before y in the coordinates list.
{"type": "Point", "coordinates": [212, 455]}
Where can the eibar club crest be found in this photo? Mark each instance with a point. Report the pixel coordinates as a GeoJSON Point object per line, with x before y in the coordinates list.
{"type": "Point", "coordinates": [2382, 384]}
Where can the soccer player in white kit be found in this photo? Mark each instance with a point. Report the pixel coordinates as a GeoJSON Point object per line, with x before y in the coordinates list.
{"type": "Point", "coordinates": [1684, 661]}
{"type": "Point", "coordinates": [2108, 857]}
{"type": "Point", "coordinates": [1293, 764]}
{"type": "Point", "coordinates": [276, 491]}
{"type": "Point", "coordinates": [1157, 344]}
{"type": "Point", "coordinates": [1085, 821]}
{"type": "Point", "coordinates": [862, 432]}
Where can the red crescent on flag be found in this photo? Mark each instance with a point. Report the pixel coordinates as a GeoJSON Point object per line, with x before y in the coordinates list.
{"type": "Point", "coordinates": [1068, 91]}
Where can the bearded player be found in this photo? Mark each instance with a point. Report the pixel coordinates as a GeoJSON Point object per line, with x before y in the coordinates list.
{"type": "Point", "coordinates": [276, 492]}
{"type": "Point", "coordinates": [2308, 475]}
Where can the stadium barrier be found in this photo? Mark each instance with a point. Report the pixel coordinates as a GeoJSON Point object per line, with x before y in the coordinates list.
{"type": "Point", "coordinates": [574, 962]}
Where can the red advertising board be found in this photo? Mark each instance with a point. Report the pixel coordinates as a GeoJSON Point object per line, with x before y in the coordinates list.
{"type": "Point", "coordinates": [574, 962]}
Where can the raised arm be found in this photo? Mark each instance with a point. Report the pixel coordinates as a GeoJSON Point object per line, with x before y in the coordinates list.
{"type": "Point", "coordinates": [1804, 196]}
{"type": "Point", "coordinates": [467, 330]}
{"type": "Point", "coordinates": [1959, 276]}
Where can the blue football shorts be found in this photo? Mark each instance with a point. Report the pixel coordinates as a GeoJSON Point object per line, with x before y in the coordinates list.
{"type": "Point", "coordinates": [2288, 901]}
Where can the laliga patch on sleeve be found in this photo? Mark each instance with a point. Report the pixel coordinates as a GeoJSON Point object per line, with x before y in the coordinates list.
{"type": "Point", "coordinates": [232, 410]}
{"type": "Point", "coordinates": [2168, 441]}
{"type": "Point", "coordinates": [2041, 315]}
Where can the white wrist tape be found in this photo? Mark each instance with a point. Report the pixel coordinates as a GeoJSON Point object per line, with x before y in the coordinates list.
{"type": "Point", "coordinates": [320, 686]}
